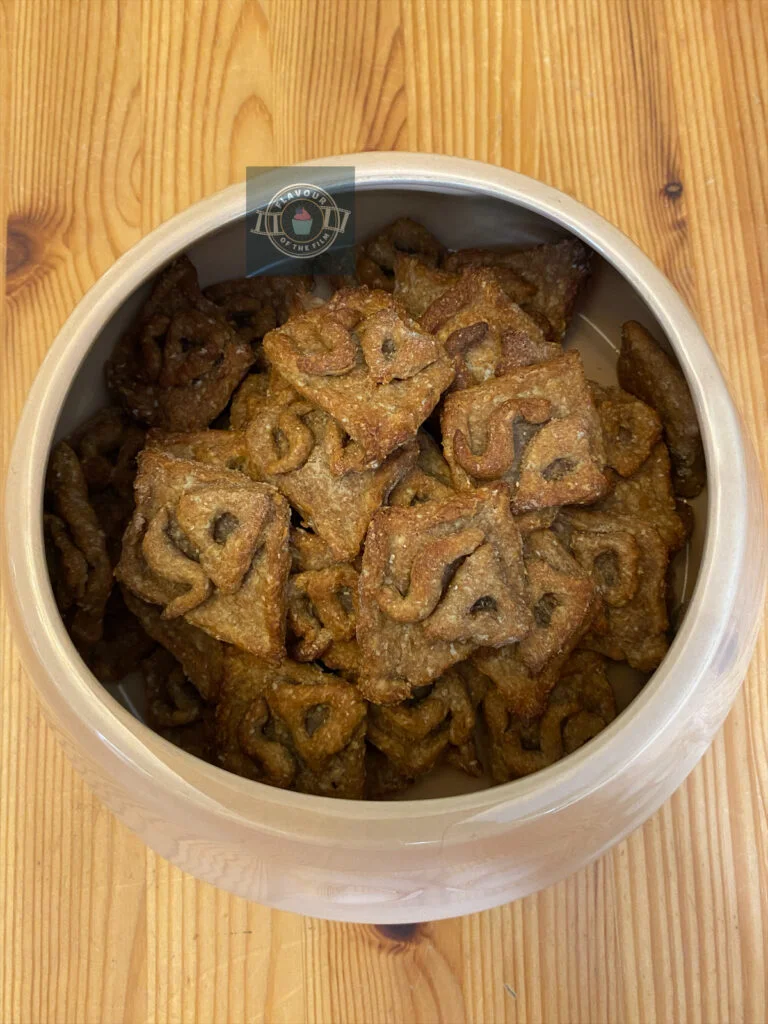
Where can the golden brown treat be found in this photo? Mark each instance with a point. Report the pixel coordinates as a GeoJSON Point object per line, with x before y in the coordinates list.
{"type": "Point", "coordinates": [479, 325]}
{"type": "Point", "coordinates": [223, 449]}
{"type": "Point", "coordinates": [171, 698]}
{"type": "Point", "coordinates": [248, 399]}
{"type": "Point", "coordinates": [646, 371]}
{"type": "Point", "coordinates": [579, 707]}
{"type": "Point", "coordinates": [322, 610]}
{"type": "Point", "coordinates": [418, 285]}
{"type": "Point", "coordinates": [535, 428]}
{"type": "Point", "coordinates": [438, 580]}
{"type": "Point", "coordinates": [557, 272]}
{"type": "Point", "coordinates": [309, 551]}
{"type": "Point", "coordinates": [649, 496]}
{"type": "Point", "coordinates": [211, 545]}
{"type": "Point", "coordinates": [377, 258]}
{"type": "Point", "coordinates": [200, 655]}
{"type": "Point", "coordinates": [299, 450]}
{"type": "Point", "coordinates": [80, 569]}
{"type": "Point", "coordinates": [523, 348]}
{"type": "Point", "coordinates": [362, 360]}
{"type": "Point", "coordinates": [562, 597]}
{"type": "Point", "coordinates": [123, 645]}
{"type": "Point", "coordinates": [627, 560]}
{"type": "Point", "coordinates": [428, 480]}
{"type": "Point", "coordinates": [291, 726]}
{"type": "Point", "coordinates": [438, 722]}
{"type": "Point", "coordinates": [177, 366]}
{"type": "Point", "coordinates": [107, 445]}
{"type": "Point", "coordinates": [630, 428]}
{"type": "Point", "coordinates": [525, 693]}
{"type": "Point", "coordinates": [254, 305]}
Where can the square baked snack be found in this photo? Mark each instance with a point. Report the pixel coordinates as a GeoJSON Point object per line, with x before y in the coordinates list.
{"type": "Point", "coordinates": [481, 326]}
{"type": "Point", "coordinates": [438, 581]}
{"type": "Point", "coordinates": [211, 545]}
{"type": "Point", "coordinates": [557, 272]}
{"type": "Point", "coordinates": [535, 428]}
{"type": "Point", "coordinates": [177, 366]}
{"type": "Point", "coordinates": [362, 360]}
{"type": "Point", "coordinates": [627, 560]}
{"type": "Point", "coordinates": [300, 450]}
{"type": "Point", "coordinates": [292, 726]}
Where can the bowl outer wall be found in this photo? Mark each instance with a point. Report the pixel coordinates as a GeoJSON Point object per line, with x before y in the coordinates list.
{"type": "Point", "coordinates": [405, 860]}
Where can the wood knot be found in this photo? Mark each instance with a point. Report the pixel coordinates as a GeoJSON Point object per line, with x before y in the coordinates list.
{"type": "Point", "coordinates": [672, 190]}
{"type": "Point", "coordinates": [23, 251]}
{"type": "Point", "coordinates": [402, 933]}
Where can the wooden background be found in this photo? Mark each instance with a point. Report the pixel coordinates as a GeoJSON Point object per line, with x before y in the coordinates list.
{"type": "Point", "coordinates": [113, 116]}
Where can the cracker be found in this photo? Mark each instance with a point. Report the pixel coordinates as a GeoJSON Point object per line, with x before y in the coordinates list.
{"type": "Point", "coordinates": [646, 371]}
{"type": "Point", "coordinates": [535, 428]}
{"type": "Point", "coordinates": [171, 699]}
{"type": "Point", "coordinates": [438, 580]}
{"type": "Point", "coordinates": [177, 366]}
{"type": "Point", "coordinates": [252, 306]}
{"type": "Point", "coordinates": [322, 611]}
{"type": "Point", "coordinates": [363, 361]}
{"type": "Point", "coordinates": [211, 545]}
{"type": "Point", "coordinates": [479, 325]}
{"type": "Point", "coordinates": [557, 271]}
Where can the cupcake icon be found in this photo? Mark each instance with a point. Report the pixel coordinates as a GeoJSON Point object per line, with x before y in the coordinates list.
{"type": "Point", "coordinates": [301, 222]}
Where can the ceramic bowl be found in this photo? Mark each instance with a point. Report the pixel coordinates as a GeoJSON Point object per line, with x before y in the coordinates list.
{"type": "Point", "coordinates": [449, 848]}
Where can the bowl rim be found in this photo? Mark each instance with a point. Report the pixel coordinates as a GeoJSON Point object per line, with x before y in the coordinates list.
{"type": "Point", "coordinates": [662, 699]}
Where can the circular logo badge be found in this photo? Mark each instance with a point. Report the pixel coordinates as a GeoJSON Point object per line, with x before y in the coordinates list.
{"type": "Point", "coordinates": [302, 221]}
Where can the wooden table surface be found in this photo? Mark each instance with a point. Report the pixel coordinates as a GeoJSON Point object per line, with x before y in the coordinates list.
{"type": "Point", "coordinates": [114, 116]}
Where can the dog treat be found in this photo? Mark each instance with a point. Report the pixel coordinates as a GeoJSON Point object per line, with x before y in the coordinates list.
{"type": "Point", "coordinates": [200, 655]}
{"type": "Point", "coordinates": [417, 512]}
{"type": "Point", "coordinates": [322, 611]}
{"type": "Point", "coordinates": [177, 367]}
{"type": "Point", "coordinates": [437, 722]}
{"type": "Point", "coordinates": [77, 550]}
{"type": "Point", "coordinates": [291, 725]}
{"type": "Point", "coordinates": [536, 428]}
{"type": "Point", "coordinates": [557, 272]}
{"type": "Point", "coordinates": [377, 259]}
{"type": "Point", "coordinates": [646, 371]}
{"type": "Point", "coordinates": [648, 495]}
{"type": "Point", "coordinates": [630, 428]}
{"type": "Point", "coordinates": [223, 449]}
{"type": "Point", "coordinates": [579, 706]}
{"type": "Point", "coordinates": [428, 480]}
{"type": "Point", "coordinates": [438, 580]}
{"type": "Point", "coordinates": [363, 361]}
{"type": "Point", "coordinates": [210, 545]}
{"type": "Point", "coordinates": [299, 450]}
{"type": "Point", "coordinates": [480, 325]}
{"type": "Point", "coordinates": [627, 560]}
{"type": "Point", "coordinates": [252, 306]}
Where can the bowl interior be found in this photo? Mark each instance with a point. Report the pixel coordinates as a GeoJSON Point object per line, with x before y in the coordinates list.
{"type": "Point", "coordinates": [458, 221]}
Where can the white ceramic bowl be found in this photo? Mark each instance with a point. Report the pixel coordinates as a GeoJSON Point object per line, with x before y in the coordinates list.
{"type": "Point", "coordinates": [412, 859]}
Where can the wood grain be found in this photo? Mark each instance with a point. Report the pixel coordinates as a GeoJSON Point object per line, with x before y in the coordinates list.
{"type": "Point", "coordinates": [115, 115]}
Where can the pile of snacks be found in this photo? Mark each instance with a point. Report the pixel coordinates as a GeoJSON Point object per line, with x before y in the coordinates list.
{"type": "Point", "coordinates": [346, 539]}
